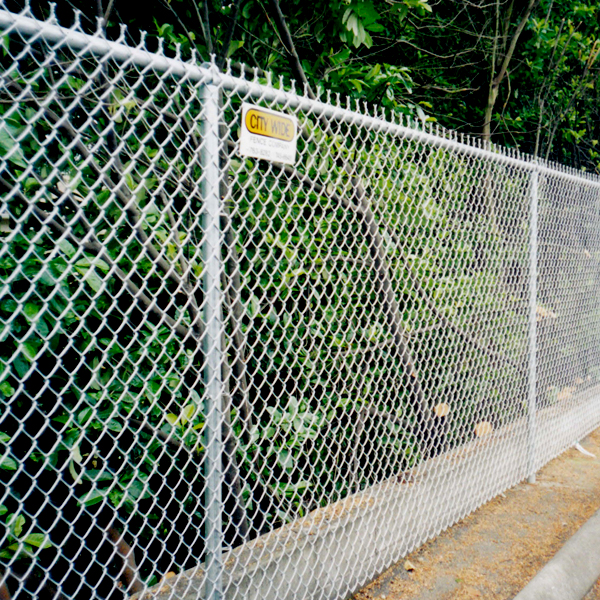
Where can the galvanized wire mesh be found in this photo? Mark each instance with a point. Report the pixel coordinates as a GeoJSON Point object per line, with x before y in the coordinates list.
{"type": "Point", "coordinates": [227, 376]}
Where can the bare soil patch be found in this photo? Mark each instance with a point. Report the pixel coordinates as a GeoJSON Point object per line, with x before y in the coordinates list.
{"type": "Point", "coordinates": [495, 552]}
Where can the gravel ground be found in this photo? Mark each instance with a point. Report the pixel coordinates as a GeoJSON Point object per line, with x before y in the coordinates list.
{"type": "Point", "coordinates": [594, 593]}
{"type": "Point", "coordinates": [493, 553]}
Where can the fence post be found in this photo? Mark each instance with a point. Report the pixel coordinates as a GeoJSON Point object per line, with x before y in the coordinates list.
{"type": "Point", "coordinates": [533, 243]}
{"type": "Point", "coordinates": [209, 157]}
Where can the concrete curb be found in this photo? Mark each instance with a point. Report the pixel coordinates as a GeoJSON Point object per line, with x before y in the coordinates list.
{"type": "Point", "coordinates": [573, 570]}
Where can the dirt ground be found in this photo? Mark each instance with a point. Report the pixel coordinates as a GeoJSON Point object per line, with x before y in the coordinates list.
{"type": "Point", "coordinates": [493, 553]}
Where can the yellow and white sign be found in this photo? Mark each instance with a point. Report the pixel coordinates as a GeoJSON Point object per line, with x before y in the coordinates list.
{"type": "Point", "coordinates": [268, 134]}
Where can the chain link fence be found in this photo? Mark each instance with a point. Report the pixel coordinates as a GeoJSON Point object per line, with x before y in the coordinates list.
{"type": "Point", "coordinates": [228, 377]}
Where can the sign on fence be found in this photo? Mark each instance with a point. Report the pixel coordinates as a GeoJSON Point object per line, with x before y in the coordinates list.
{"type": "Point", "coordinates": [268, 134]}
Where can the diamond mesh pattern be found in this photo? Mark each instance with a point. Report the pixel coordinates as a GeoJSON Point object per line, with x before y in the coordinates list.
{"type": "Point", "coordinates": [224, 377]}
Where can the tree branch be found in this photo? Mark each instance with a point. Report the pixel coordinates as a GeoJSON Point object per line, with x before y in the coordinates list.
{"type": "Point", "coordinates": [108, 11]}
{"type": "Point", "coordinates": [375, 245]}
{"type": "Point", "coordinates": [290, 49]}
{"type": "Point", "coordinates": [205, 24]}
{"type": "Point", "coordinates": [513, 42]}
{"type": "Point", "coordinates": [188, 33]}
{"type": "Point", "coordinates": [129, 571]}
{"type": "Point", "coordinates": [496, 80]}
{"type": "Point", "coordinates": [236, 315]}
{"type": "Point", "coordinates": [230, 466]}
{"type": "Point", "coordinates": [4, 593]}
{"type": "Point", "coordinates": [222, 57]}
{"type": "Point", "coordinates": [416, 284]}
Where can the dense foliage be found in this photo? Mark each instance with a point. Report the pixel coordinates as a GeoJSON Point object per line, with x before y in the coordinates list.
{"type": "Point", "coordinates": [529, 68]}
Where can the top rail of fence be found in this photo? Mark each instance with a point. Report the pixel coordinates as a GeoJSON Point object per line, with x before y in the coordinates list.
{"type": "Point", "coordinates": [208, 73]}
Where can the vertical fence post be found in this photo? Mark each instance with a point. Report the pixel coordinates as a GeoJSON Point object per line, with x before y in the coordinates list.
{"type": "Point", "coordinates": [533, 249]}
{"type": "Point", "coordinates": [209, 157]}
